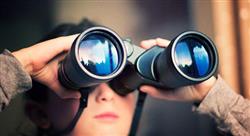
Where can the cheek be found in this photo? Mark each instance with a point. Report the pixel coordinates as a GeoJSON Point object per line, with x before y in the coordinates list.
{"type": "Point", "coordinates": [127, 104]}
{"type": "Point", "coordinates": [61, 112]}
{"type": "Point", "coordinates": [127, 108]}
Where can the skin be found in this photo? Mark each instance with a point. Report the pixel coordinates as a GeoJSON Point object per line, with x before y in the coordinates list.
{"type": "Point", "coordinates": [63, 104]}
{"type": "Point", "coordinates": [59, 113]}
{"type": "Point", "coordinates": [41, 61]}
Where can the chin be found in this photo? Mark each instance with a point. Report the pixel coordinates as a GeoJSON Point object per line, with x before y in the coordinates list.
{"type": "Point", "coordinates": [101, 130]}
{"type": "Point", "coordinates": [100, 133]}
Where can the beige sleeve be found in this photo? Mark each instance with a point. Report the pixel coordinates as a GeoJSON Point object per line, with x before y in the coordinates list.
{"type": "Point", "coordinates": [13, 78]}
{"type": "Point", "coordinates": [230, 110]}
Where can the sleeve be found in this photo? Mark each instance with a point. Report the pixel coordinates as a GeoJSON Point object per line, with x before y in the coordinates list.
{"type": "Point", "coordinates": [13, 78]}
{"type": "Point", "coordinates": [230, 110]}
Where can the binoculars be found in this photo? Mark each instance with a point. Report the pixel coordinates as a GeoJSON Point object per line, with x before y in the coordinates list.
{"type": "Point", "coordinates": [99, 55]}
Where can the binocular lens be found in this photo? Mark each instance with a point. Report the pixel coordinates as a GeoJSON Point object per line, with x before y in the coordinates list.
{"type": "Point", "coordinates": [98, 55]}
{"type": "Point", "coordinates": [192, 57]}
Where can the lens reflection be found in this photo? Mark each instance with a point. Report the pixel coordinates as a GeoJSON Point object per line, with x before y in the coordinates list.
{"type": "Point", "coordinates": [192, 58]}
{"type": "Point", "coordinates": [98, 55]}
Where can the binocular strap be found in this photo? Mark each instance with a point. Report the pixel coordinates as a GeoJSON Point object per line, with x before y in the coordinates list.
{"type": "Point", "coordinates": [137, 114]}
{"type": "Point", "coordinates": [83, 104]}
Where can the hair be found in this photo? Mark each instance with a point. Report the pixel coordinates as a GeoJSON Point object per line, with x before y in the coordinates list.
{"type": "Point", "coordinates": [39, 92]}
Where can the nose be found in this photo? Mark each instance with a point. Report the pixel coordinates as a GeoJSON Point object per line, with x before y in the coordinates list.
{"type": "Point", "coordinates": [104, 93]}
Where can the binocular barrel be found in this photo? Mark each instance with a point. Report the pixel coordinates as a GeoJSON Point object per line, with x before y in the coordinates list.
{"type": "Point", "coordinates": [96, 56]}
{"type": "Point", "coordinates": [99, 55]}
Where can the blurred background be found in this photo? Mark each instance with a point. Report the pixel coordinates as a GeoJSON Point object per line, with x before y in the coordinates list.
{"type": "Point", "coordinates": [226, 22]}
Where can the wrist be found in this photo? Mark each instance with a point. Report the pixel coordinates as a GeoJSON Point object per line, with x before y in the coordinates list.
{"type": "Point", "coordinates": [24, 58]}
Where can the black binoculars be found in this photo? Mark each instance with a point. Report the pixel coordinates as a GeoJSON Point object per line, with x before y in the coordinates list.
{"type": "Point", "coordinates": [99, 55]}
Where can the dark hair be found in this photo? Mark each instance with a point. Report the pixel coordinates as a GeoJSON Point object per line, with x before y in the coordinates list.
{"type": "Point", "coordinates": [39, 92]}
{"type": "Point", "coordinates": [69, 29]}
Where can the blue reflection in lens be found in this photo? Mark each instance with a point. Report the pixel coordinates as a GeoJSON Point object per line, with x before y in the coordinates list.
{"type": "Point", "coordinates": [202, 60]}
{"type": "Point", "coordinates": [98, 55]}
{"type": "Point", "coordinates": [192, 58]}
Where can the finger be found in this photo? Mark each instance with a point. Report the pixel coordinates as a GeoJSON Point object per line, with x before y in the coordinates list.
{"type": "Point", "coordinates": [152, 91]}
{"type": "Point", "coordinates": [61, 57]}
{"type": "Point", "coordinates": [162, 42]}
{"type": "Point", "coordinates": [62, 43]}
{"type": "Point", "coordinates": [55, 46]}
{"type": "Point", "coordinates": [146, 44]}
{"type": "Point", "coordinates": [159, 93]}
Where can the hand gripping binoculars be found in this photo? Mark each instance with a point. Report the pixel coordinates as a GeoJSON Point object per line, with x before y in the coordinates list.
{"type": "Point", "coordinates": [99, 55]}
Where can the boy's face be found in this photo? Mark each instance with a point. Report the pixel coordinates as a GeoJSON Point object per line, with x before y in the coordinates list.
{"type": "Point", "coordinates": [107, 113]}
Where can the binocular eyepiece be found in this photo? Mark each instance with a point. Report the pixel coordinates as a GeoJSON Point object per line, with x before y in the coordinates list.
{"type": "Point", "coordinates": [99, 55]}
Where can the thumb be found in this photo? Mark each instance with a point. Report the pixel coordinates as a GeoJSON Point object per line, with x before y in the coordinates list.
{"type": "Point", "coordinates": [159, 93]}
{"type": "Point", "coordinates": [154, 92]}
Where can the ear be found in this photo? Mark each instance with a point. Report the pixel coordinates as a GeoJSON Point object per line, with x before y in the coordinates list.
{"type": "Point", "coordinates": [37, 114]}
